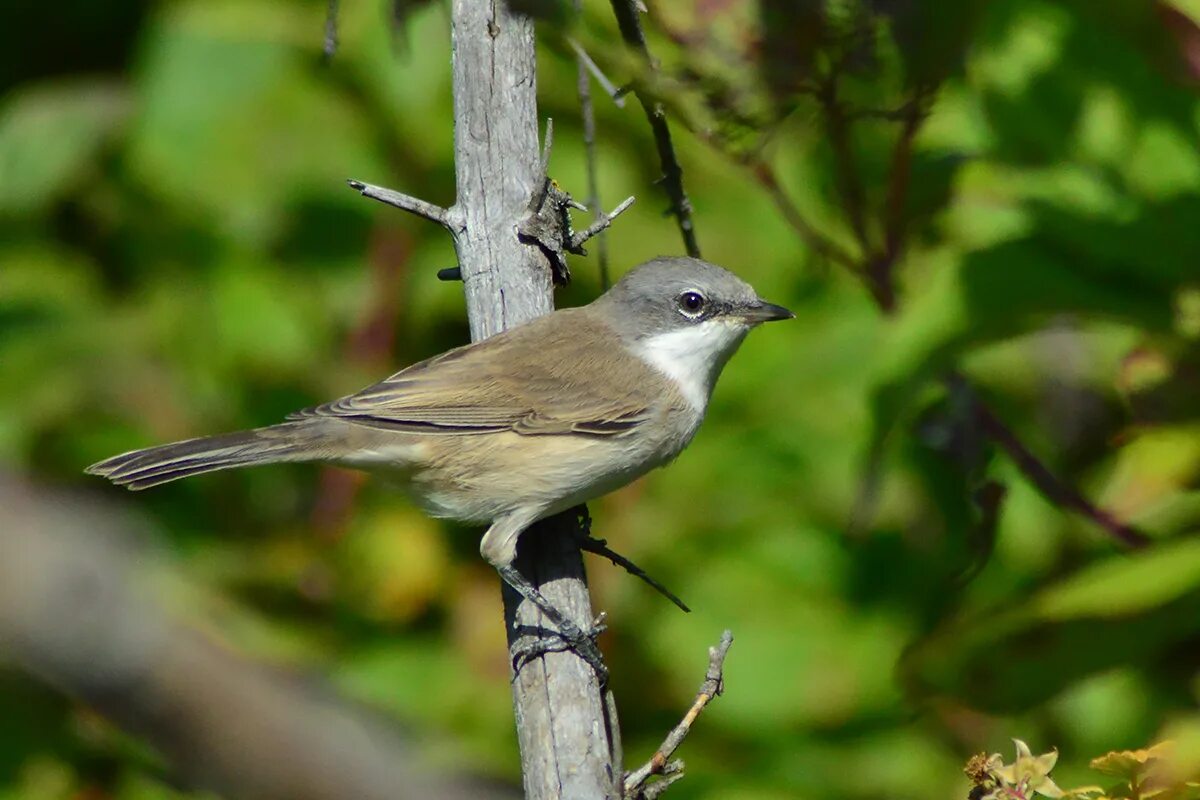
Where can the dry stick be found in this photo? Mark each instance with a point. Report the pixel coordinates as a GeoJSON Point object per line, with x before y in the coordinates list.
{"type": "Point", "coordinates": [660, 763]}
{"type": "Point", "coordinates": [588, 113]}
{"type": "Point", "coordinates": [1051, 487]}
{"type": "Point", "coordinates": [331, 30]}
{"type": "Point", "coordinates": [600, 547]}
{"type": "Point", "coordinates": [626, 12]}
{"type": "Point", "coordinates": [614, 92]}
{"type": "Point", "coordinates": [412, 205]}
{"type": "Point", "coordinates": [603, 222]}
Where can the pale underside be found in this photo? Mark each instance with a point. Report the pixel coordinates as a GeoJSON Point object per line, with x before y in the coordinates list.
{"type": "Point", "coordinates": [564, 424]}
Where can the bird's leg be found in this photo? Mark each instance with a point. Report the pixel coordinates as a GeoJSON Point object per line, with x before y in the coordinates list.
{"type": "Point", "coordinates": [569, 635]}
{"type": "Point", "coordinates": [600, 547]}
{"type": "Point", "coordinates": [499, 547]}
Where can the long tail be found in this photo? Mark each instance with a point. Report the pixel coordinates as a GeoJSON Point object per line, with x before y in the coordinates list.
{"type": "Point", "coordinates": [141, 469]}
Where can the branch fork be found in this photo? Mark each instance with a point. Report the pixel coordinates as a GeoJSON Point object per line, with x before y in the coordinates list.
{"type": "Point", "coordinates": [547, 222]}
{"type": "Point", "coordinates": [661, 764]}
{"type": "Point", "coordinates": [413, 205]}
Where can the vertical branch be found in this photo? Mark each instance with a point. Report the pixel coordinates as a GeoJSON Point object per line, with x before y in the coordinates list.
{"type": "Point", "coordinates": [881, 267]}
{"type": "Point", "coordinates": [681, 207]}
{"type": "Point", "coordinates": [565, 723]}
{"type": "Point", "coordinates": [849, 181]}
{"type": "Point", "coordinates": [588, 112]}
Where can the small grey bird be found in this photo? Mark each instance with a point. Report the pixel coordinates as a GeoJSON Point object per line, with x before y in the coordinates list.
{"type": "Point", "coordinates": [528, 423]}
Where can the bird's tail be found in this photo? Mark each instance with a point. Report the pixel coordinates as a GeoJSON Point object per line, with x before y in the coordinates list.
{"type": "Point", "coordinates": [141, 469]}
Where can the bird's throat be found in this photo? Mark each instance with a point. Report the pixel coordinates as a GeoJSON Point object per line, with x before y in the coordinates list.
{"type": "Point", "coordinates": [693, 356]}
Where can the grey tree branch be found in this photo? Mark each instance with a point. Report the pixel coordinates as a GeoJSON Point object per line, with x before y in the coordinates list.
{"type": "Point", "coordinates": [511, 229]}
{"type": "Point", "coordinates": [587, 113]}
{"type": "Point", "coordinates": [412, 205]}
{"type": "Point", "coordinates": [566, 722]}
{"type": "Point", "coordinates": [603, 221]}
{"type": "Point", "coordinates": [630, 24]}
{"type": "Point", "coordinates": [636, 786]}
{"type": "Point", "coordinates": [330, 44]}
{"type": "Point", "coordinates": [588, 65]}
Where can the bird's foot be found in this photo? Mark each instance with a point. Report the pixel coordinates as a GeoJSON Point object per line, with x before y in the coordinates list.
{"type": "Point", "coordinates": [568, 636]}
{"type": "Point", "coordinates": [581, 642]}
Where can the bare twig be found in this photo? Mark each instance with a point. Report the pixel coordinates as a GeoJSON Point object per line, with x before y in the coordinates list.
{"type": "Point", "coordinates": [660, 763]}
{"type": "Point", "coordinates": [626, 12]}
{"type": "Point", "coordinates": [412, 205]}
{"type": "Point", "coordinates": [538, 198]}
{"type": "Point", "coordinates": [600, 547]}
{"type": "Point", "coordinates": [671, 772]}
{"type": "Point", "coordinates": [881, 265]}
{"type": "Point", "coordinates": [837, 125]}
{"type": "Point", "coordinates": [331, 30]}
{"type": "Point", "coordinates": [587, 112]}
{"type": "Point", "coordinates": [1046, 482]}
{"type": "Point", "coordinates": [821, 244]}
{"type": "Point", "coordinates": [615, 93]}
{"type": "Point", "coordinates": [602, 222]}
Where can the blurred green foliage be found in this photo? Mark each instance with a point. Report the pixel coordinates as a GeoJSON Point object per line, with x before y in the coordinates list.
{"type": "Point", "coordinates": [179, 255]}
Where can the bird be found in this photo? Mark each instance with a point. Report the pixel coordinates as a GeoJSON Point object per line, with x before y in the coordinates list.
{"type": "Point", "coordinates": [525, 424]}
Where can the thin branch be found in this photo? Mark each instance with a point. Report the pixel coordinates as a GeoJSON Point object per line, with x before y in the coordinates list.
{"type": "Point", "coordinates": [826, 247]}
{"type": "Point", "coordinates": [587, 112]}
{"type": "Point", "coordinates": [412, 205]}
{"type": "Point", "coordinates": [626, 12]}
{"type": "Point", "coordinates": [1046, 482]}
{"type": "Point", "coordinates": [881, 266]}
{"type": "Point", "coordinates": [912, 114]}
{"type": "Point", "coordinates": [660, 763]}
{"type": "Point", "coordinates": [538, 198]}
{"type": "Point", "coordinates": [602, 222]}
{"type": "Point", "coordinates": [849, 180]}
{"type": "Point", "coordinates": [600, 547]}
{"type": "Point", "coordinates": [672, 772]}
{"type": "Point", "coordinates": [331, 31]}
{"type": "Point", "coordinates": [615, 93]}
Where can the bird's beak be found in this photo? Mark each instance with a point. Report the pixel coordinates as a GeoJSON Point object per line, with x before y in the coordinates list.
{"type": "Point", "coordinates": [765, 312]}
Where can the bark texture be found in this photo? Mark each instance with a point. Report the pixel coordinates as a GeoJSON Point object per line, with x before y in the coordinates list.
{"type": "Point", "coordinates": [565, 720]}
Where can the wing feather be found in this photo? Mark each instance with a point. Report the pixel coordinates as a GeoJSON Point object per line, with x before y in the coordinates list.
{"type": "Point", "coordinates": [548, 389]}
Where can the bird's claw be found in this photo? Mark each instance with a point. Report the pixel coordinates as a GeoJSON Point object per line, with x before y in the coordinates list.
{"type": "Point", "coordinates": [569, 637]}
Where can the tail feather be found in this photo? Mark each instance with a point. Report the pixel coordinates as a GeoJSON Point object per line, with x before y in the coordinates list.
{"type": "Point", "coordinates": [141, 469]}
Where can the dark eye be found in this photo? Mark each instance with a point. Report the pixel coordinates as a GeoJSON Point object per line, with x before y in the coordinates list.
{"type": "Point", "coordinates": [691, 303]}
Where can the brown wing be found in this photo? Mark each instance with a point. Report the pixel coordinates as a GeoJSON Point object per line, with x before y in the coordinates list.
{"type": "Point", "coordinates": [535, 379]}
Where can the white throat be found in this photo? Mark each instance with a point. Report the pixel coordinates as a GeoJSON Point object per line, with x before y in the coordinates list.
{"type": "Point", "coordinates": [693, 356]}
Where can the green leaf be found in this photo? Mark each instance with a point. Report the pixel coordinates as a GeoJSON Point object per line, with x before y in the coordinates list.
{"type": "Point", "coordinates": [1126, 609]}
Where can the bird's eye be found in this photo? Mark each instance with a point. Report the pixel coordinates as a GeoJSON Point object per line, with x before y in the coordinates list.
{"type": "Point", "coordinates": [691, 303]}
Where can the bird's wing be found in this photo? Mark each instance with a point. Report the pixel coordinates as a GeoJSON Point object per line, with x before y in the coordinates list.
{"type": "Point", "coordinates": [549, 388]}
